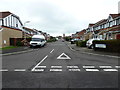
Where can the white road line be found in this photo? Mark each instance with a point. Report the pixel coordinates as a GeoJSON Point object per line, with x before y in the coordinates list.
{"type": "Point", "coordinates": [39, 63]}
{"type": "Point", "coordinates": [88, 66]}
{"type": "Point", "coordinates": [110, 69]}
{"type": "Point", "coordinates": [74, 69]}
{"type": "Point", "coordinates": [92, 70]}
{"type": "Point", "coordinates": [4, 70]}
{"type": "Point", "coordinates": [56, 66]}
{"type": "Point", "coordinates": [105, 66]}
{"type": "Point", "coordinates": [72, 66]}
{"type": "Point", "coordinates": [41, 66]}
{"type": "Point", "coordinates": [39, 70]}
{"type": "Point", "coordinates": [63, 54]}
{"type": "Point", "coordinates": [71, 48]}
{"type": "Point", "coordinates": [52, 51]}
{"type": "Point", "coordinates": [19, 70]}
{"type": "Point", "coordinates": [56, 70]}
{"type": "Point", "coordinates": [117, 66]}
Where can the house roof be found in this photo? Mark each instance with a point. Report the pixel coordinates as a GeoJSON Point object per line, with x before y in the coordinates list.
{"type": "Point", "coordinates": [101, 21]}
{"type": "Point", "coordinates": [90, 25]}
{"type": "Point", "coordinates": [81, 32]}
{"type": "Point", "coordinates": [4, 14]}
{"type": "Point", "coordinates": [28, 29]}
{"type": "Point", "coordinates": [114, 15]}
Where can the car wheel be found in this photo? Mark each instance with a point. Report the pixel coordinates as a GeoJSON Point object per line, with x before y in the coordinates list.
{"type": "Point", "coordinates": [30, 46]}
{"type": "Point", "coordinates": [91, 46]}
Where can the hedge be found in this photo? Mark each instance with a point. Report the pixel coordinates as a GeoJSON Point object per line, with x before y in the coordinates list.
{"type": "Point", "coordinates": [81, 43]}
{"type": "Point", "coordinates": [19, 43]}
{"type": "Point", "coordinates": [111, 45]}
{"type": "Point", "coordinates": [51, 40]}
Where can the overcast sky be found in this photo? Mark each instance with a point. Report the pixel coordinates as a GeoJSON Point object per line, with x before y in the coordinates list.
{"type": "Point", "coordinates": [60, 16]}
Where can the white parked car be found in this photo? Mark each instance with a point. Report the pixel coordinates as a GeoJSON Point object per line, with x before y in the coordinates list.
{"type": "Point", "coordinates": [89, 43]}
{"type": "Point", "coordinates": [37, 40]}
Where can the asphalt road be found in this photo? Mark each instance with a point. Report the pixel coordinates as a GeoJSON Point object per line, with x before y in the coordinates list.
{"type": "Point", "coordinates": [44, 68]}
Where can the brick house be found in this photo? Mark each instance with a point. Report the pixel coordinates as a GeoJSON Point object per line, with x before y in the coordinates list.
{"type": "Point", "coordinates": [89, 32]}
{"type": "Point", "coordinates": [81, 34]}
{"type": "Point", "coordinates": [10, 27]}
{"type": "Point", "coordinates": [105, 29]}
{"type": "Point", "coordinates": [113, 31]}
{"type": "Point", "coordinates": [29, 32]}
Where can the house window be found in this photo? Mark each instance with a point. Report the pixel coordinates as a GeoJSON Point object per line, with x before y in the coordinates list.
{"type": "Point", "coordinates": [114, 22]}
{"type": "Point", "coordinates": [107, 24]}
{"type": "Point", "coordinates": [119, 21]}
{"type": "Point", "coordinates": [16, 25]}
{"type": "Point", "coordinates": [8, 21]}
{"type": "Point", "coordinates": [110, 24]}
{"type": "Point", "coordinates": [11, 20]}
{"type": "Point", "coordinates": [103, 25]}
{"type": "Point", "coordinates": [5, 23]}
{"type": "Point", "coordinates": [14, 21]}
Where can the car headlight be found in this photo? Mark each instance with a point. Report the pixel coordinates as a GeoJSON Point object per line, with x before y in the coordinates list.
{"type": "Point", "coordinates": [39, 43]}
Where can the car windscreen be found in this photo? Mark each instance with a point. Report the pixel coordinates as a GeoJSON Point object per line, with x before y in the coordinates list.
{"type": "Point", "coordinates": [36, 39]}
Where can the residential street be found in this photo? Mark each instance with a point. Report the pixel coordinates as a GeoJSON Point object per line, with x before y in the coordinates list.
{"type": "Point", "coordinates": [43, 68]}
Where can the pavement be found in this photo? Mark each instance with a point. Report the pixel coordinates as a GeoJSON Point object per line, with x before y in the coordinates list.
{"type": "Point", "coordinates": [56, 66]}
{"type": "Point", "coordinates": [85, 50]}
{"type": "Point", "coordinates": [17, 50]}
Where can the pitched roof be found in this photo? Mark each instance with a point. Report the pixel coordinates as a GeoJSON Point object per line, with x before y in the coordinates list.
{"type": "Point", "coordinates": [81, 32]}
{"type": "Point", "coordinates": [28, 29]}
{"type": "Point", "coordinates": [90, 25]}
{"type": "Point", "coordinates": [4, 14]}
{"type": "Point", "coordinates": [101, 21]}
{"type": "Point", "coordinates": [114, 15]}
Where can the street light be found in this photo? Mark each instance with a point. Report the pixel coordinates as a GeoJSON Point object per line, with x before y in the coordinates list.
{"type": "Point", "coordinates": [24, 27]}
{"type": "Point", "coordinates": [26, 22]}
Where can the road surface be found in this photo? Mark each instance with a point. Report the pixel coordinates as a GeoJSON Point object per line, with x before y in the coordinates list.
{"type": "Point", "coordinates": [56, 66]}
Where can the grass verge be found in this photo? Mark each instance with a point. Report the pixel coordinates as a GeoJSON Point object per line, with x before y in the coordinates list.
{"type": "Point", "coordinates": [8, 47]}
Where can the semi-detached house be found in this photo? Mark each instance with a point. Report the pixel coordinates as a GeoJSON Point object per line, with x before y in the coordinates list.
{"type": "Point", "coordinates": [105, 29]}
{"type": "Point", "coordinates": [10, 27]}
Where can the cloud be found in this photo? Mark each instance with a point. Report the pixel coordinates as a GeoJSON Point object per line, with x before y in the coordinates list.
{"type": "Point", "coordinates": [60, 16]}
{"type": "Point", "coordinates": [51, 18]}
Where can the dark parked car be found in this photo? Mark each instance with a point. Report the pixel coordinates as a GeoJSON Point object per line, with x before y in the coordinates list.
{"type": "Point", "coordinates": [73, 41]}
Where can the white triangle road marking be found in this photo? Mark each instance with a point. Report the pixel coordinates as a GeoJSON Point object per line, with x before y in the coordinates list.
{"type": "Point", "coordinates": [66, 56]}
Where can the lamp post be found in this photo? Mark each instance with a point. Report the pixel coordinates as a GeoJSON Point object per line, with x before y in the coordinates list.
{"type": "Point", "coordinates": [24, 27]}
{"type": "Point", "coordinates": [26, 22]}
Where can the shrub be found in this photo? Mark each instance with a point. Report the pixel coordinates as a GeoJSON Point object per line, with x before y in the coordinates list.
{"type": "Point", "coordinates": [19, 43]}
{"type": "Point", "coordinates": [111, 45]}
{"type": "Point", "coordinates": [81, 43]}
{"type": "Point", "coordinates": [67, 38]}
{"type": "Point", "coordinates": [51, 40]}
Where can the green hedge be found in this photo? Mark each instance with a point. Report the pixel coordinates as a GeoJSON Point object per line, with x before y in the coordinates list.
{"type": "Point", "coordinates": [67, 38]}
{"type": "Point", "coordinates": [51, 40]}
{"type": "Point", "coordinates": [19, 43]}
{"type": "Point", "coordinates": [81, 43]}
{"type": "Point", "coordinates": [111, 45]}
